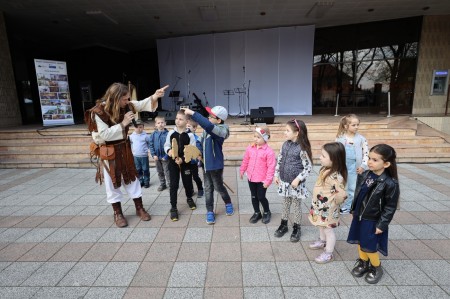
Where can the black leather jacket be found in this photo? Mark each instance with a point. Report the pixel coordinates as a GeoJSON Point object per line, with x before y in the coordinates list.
{"type": "Point", "coordinates": [380, 202]}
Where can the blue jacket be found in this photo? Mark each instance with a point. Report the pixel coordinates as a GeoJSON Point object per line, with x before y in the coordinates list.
{"type": "Point", "coordinates": [212, 141]}
{"type": "Point", "coordinates": [157, 140]}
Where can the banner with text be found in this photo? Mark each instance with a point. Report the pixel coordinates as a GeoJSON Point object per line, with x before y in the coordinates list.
{"type": "Point", "coordinates": [54, 94]}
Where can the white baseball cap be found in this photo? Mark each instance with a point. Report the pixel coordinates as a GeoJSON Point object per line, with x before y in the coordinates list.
{"type": "Point", "coordinates": [218, 111]}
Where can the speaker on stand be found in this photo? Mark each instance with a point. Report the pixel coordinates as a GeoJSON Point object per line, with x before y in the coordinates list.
{"type": "Point", "coordinates": [262, 115]}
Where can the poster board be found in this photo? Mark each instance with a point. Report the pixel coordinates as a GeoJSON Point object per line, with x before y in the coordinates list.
{"type": "Point", "coordinates": [54, 95]}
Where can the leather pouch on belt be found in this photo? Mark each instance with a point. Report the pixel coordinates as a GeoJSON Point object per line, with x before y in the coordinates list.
{"type": "Point", "coordinates": [107, 152]}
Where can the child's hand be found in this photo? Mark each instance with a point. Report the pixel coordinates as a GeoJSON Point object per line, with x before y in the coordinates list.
{"type": "Point", "coordinates": [265, 186]}
{"type": "Point", "coordinates": [277, 181]}
{"type": "Point", "coordinates": [378, 231]}
{"type": "Point", "coordinates": [200, 158]}
{"type": "Point", "coordinates": [155, 158]}
{"type": "Point", "coordinates": [241, 176]}
{"type": "Point", "coordinates": [359, 170]}
{"type": "Point", "coordinates": [295, 183]}
{"type": "Point", "coordinates": [178, 160]}
{"type": "Point", "coordinates": [169, 153]}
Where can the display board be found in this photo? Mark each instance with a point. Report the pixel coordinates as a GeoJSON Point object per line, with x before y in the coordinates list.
{"type": "Point", "coordinates": [53, 85]}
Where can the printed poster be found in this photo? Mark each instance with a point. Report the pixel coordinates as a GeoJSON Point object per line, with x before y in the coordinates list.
{"type": "Point", "coordinates": [54, 94]}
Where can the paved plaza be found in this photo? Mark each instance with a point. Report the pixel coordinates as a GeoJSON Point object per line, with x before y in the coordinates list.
{"type": "Point", "coordinates": [58, 240]}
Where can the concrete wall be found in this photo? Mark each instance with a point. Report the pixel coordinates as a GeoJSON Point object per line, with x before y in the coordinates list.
{"type": "Point", "coordinates": [436, 122]}
{"type": "Point", "coordinates": [9, 104]}
{"type": "Point", "coordinates": [434, 53]}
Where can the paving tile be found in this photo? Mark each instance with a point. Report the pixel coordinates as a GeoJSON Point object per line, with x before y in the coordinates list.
{"type": "Point", "coordinates": [198, 234]}
{"type": "Point", "coordinates": [308, 292]}
{"type": "Point", "coordinates": [263, 292]}
{"type": "Point", "coordinates": [105, 293]}
{"type": "Point", "coordinates": [83, 274]}
{"type": "Point", "coordinates": [143, 235]}
{"type": "Point", "coordinates": [190, 293]}
{"type": "Point", "coordinates": [406, 273]}
{"type": "Point", "coordinates": [156, 221]}
{"type": "Point", "coordinates": [49, 274]}
{"type": "Point", "coordinates": [132, 252]}
{"type": "Point", "coordinates": [224, 274]}
{"type": "Point", "coordinates": [101, 252]}
{"type": "Point", "coordinates": [12, 234]}
{"type": "Point", "coordinates": [296, 274]}
{"type": "Point", "coordinates": [267, 274]}
{"type": "Point", "coordinates": [254, 234]}
{"type": "Point", "coordinates": [443, 229]}
{"type": "Point", "coordinates": [14, 251]}
{"type": "Point", "coordinates": [144, 293]}
{"type": "Point", "coordinates": [18, 292]}
{"type": "Point", "coordinates": [375, 292]}
{"type": "Point", "coordinates": [424, 231]}
{"type": "Point", "coordinates": [226, 234]}
{"type": "Point", "coordinates": [163, 252]}
{"type": "Point", "coordinates": [188, 274]}
{"type": "Point", "coordinates": [257, 251]}
{"type": "Point", "coordinates": [333, 274]}
{"type": "Point", "coordinates": [61, 292]}
{"type": "Point", "coordinates": [288, 251]}
{"type": "Point", "coordinates": [397, 232]}
{"type": "Point", "coordinates": [194, 252]}
{"type": "Point", "coordinates": [438, 271]}
{"type": "Point", "coordinates": [223, 293]}
{"type": "Point", "coordinates": [403, 217]}
{"type": "Point", "coordinates": [16, 273]}
{"type": "Point", "coordinates": [41, 252]}
{"type": "Point", "coordinates": [223, 220]}
{"type": "Point", "coordinates": [63, 235]}
{"type": "Point", "coordinates": [170, 234]}
{"type": "Point", "coordinates": [71, 252]}
{"type": "Point", "coordinates": [89, 235]}
{"type": "Point", "coordinates": [10, 221]}
{"type": "Point", "coordinates": [32, 221]}
{"type": "Point", "coordinates": [183, 220]}
{"type": "Point", "coordinates": [117, 274]}
{"type": "Point", "coordinates": [416, 249]}
{"type": "Point", "coordinates": [36, 235]}
{"type": "Point", "coordinates": [116, 234]}
{"type": "Point", "coordinates": [99, 221]}
{"type": "Point", "coordinates": [55, 221]}
{"type": "Point", "coordinates": [441, 247]}
{"type": "Point", "coordinates": [225, 252]}
{"type": "Point", "coordinates": [152, 274]}
{"type": "Point", "coordinates": [417, 292]}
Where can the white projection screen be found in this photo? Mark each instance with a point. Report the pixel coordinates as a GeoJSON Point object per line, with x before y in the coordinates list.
{"type": "Point", "coordinates": [273, 67]}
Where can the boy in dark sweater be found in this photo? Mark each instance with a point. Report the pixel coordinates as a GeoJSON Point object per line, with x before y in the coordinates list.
{"type": "Point", "coordinates": [178, 165]}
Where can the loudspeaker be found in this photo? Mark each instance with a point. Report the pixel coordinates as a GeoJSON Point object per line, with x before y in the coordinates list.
{"type": "Point", "coordinates": [262, 115]}
{"type": "Point", "coordinates": [170, 117]}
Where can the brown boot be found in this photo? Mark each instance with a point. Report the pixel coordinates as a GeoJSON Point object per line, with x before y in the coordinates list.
{"type": "Point", "coordinates": [119, 219]}
{"type": "Point", "coordinates": [140, 211]}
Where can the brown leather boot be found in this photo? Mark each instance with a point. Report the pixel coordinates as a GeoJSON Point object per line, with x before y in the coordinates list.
{"type": "Point", "coordinates": [119, 219]}
{"type": "Point", "coordinates": [140, 211]}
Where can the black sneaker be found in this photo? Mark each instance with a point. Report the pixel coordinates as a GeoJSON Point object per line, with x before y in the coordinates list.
{"type": "Point", "coordinates": [255, 217]}
{"type": "Point", "coordinates": [162, 187]}
{"type": "Point", "coordinates": [266, 217]}
{"type": "Point", "coordinates": [174, 214]}
{"type": "Point", "coordinates": [146, 185]}
{"type": "Point", "coordinates": [200, 193]}
{"type": "Point", "coordinates": [191, 204]}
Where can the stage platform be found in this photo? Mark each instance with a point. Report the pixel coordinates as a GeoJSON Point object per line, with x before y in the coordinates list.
{"type": "Point", "coordinates": [34, 146]}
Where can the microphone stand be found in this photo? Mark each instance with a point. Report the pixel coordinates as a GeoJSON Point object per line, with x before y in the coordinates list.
{"type": "Point", "coordinates": [171, 93]}
{"type": "Point", "coordinates": [248, 101]}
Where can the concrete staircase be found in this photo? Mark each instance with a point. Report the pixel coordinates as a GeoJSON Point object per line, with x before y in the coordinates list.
{"type": "Point", "coordinates": [27, 147]}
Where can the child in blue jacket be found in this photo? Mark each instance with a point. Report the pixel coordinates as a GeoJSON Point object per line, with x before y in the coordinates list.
{"type": "Point", "coordinates": [214, 134]}
{"type": "Point", "coordinates": [157, 140]}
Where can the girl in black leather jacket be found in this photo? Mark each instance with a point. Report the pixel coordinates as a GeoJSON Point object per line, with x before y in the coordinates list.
{"type": "Point", "coordinates": [376, 199]}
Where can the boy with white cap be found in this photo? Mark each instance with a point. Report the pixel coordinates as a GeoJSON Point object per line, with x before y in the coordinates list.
{"type": "Point", "coordinates": [214, 134]}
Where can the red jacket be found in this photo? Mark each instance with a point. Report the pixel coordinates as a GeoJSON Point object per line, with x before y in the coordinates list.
{"type": "Point", "coordinates": [259, 163]}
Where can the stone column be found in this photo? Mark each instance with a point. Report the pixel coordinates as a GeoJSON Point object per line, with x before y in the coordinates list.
{"type": "Point", "coordinates": [9, 103]}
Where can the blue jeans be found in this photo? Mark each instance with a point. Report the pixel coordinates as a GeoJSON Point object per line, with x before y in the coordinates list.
{"type": "Point", "coordinates": [214, 180]}
{"type": "Point", "coordinates": [350, 161]}
{"type": "Point", "coordinates": [143, 169]}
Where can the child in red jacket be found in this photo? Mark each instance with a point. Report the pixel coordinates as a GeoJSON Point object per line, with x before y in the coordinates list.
{"type": "Point", "coordinates": [259, 162]}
